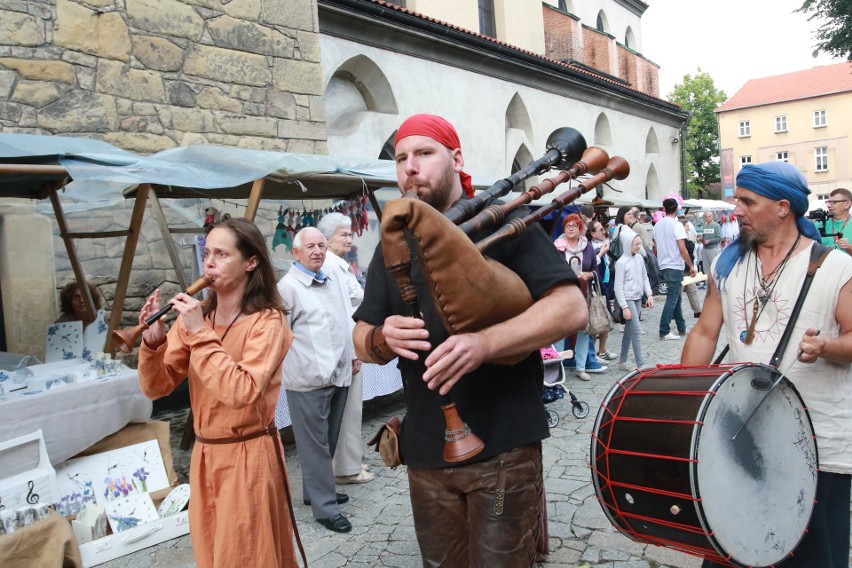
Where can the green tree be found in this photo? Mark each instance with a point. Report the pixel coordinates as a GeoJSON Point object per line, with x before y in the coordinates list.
{"type": "Point", "coordinates": [699, 96]}
{"type": "Point", "coordinates": [835, 35]}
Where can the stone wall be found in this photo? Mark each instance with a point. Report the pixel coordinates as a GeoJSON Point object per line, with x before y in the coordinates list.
{"type": "Point", "coordinates": [148, 75]}
{"type": "Point", "coordinates": [161, 73]}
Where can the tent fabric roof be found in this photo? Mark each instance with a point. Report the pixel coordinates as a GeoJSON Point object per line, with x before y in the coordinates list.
{"type": "Point", "coordinates": [192, 171]}
{"type": "Point", "coordinates": [103, 172]}
{"type": "Point", "coordinates": [708, 204]}
{"type": "Point", "coordinates": [37, 150]}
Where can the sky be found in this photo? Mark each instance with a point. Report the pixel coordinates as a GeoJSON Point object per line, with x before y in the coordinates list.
{"type": "Point", "coordinates": [731, 40]}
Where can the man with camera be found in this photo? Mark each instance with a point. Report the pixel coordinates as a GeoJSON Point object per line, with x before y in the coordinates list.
{"type": "Point", "coordinates": [837, 231]}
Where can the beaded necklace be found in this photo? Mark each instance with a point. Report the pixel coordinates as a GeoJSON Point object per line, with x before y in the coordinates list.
{"type": "Point", "coordinates": [766, 286]}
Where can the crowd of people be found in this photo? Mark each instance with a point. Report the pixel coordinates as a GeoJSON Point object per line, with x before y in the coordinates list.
{"type": "Point", "coordinates": [311, 333]}
{"type": "Point", "coordinates": [668, 258]}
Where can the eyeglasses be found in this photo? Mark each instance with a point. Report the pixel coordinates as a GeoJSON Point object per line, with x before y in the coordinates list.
{"type": "Point", "coordinates": [571, 226]}
{"type": "Point", "coordinates": [836, 201]}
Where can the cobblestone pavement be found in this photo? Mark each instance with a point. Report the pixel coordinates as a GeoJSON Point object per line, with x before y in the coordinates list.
{"type": "Point", "coordinates": [383, 532]}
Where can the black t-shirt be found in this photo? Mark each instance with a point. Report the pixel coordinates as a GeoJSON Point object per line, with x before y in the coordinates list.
{"type": "Point", "coordinates": [502, 404]}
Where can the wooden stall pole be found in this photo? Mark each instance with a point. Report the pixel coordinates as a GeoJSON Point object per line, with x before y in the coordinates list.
{"type": "Point", "coordinates": [127, 261]}
{"type": "Point", "coordinates": [82, 283]}
{"type": "Point", "coordinates": [167, 238]}
{"type": "Point", "coordinates": [254, 198]}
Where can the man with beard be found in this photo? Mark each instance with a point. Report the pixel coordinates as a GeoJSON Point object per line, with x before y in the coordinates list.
{"type": "Point", "coordinates": [756, 280]}
{"type": "Point", "coordinates": [482, 511]}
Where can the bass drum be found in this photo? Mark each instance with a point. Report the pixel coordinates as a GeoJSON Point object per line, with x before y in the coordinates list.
{"type": "Point", "coordinates": [667, 470]}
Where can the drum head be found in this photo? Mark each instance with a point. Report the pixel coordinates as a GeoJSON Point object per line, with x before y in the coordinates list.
{"type": "Point", "coordinates": [757, 492]}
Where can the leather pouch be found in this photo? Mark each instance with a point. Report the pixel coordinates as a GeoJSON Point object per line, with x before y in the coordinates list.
{"type": "Point", "coordinates": [386, 442]}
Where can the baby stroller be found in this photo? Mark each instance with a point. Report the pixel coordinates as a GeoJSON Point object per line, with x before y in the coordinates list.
{"type": "Point", "coordinates": [554, 379]}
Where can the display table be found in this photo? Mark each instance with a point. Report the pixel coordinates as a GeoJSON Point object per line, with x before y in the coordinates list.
{"type": "Point", "coordinates": [76, 416]}
{"type": "Point", "coordinates": [379, 380]}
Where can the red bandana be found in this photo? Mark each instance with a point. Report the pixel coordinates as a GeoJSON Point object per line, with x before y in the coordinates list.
{"type": "Point", "coordinates": [438, 129]}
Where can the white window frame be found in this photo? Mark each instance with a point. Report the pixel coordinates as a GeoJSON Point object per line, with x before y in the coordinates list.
{"type": "Point", "coordinates": [744, 160]}
{"type": "Point", "coordinates": [745, 128]}
{"type": "Point", "coordinates": [820, 118]}
{"type": "Point", "coordinates": [782, 156]}
{"type": "Point", "coordinates": [821, 159]}
{"type": "Point", "coordinates": [781, 123]}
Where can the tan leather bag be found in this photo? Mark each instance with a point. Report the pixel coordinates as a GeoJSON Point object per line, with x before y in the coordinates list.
{"type": "Point", "coordinates": [470, 291]}
{"type": "Point", "coordinates": [386, 442]}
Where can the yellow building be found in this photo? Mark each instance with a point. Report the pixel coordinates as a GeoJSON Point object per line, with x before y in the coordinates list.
{"type": "Point", "coordinates": [804, 118]}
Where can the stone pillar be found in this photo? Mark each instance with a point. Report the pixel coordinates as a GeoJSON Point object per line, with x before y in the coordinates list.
{"type": "Point", "coordinates": [27, 278]}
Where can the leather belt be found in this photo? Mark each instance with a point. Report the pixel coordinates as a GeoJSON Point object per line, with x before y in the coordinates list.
{"type": "Point", "coordinates": [270, 430]}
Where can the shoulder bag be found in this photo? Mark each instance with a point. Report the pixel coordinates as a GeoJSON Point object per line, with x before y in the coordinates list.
{"type": "Point", "coordinates": [615, 246]}
{"type": "Point", "coordinates": [600, 320]}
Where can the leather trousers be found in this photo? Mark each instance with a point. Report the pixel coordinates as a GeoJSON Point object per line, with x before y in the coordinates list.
{"type": "Point", "coordinates": [482, 515]}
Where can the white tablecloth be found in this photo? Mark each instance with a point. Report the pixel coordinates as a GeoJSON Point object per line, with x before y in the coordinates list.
{"type": "Point", "coordinates": [76, 416]}
{"type": "Point", "coordinates": [379, 380]}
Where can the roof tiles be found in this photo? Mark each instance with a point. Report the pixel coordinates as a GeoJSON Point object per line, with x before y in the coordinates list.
{"type": "Point", "coordinates": [815, 82]}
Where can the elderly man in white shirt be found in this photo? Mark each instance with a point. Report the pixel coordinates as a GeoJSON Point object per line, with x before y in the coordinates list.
{"type": "Point", "coordinates": [317, 370]}
{"type": "Point", "coordinates": [348, 468]}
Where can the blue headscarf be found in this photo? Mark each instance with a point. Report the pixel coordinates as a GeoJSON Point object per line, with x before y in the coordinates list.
{"type": "Point", "coordinates": [777, 181]}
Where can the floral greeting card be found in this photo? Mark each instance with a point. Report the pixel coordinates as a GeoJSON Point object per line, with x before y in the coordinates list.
{"type": "Point", "coordinates": [130, 470]}
{"type": "Point", "coordinates": [110, 476]}
{"type": "Point", "coordinates": [128, 512]}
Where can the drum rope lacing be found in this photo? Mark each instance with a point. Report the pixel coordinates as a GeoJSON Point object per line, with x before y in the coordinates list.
{"type": "Point", "coordinates": [609, 484]}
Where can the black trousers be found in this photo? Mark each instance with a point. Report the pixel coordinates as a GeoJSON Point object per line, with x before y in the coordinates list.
{"type": "Point", "coordinates": [826, 544]}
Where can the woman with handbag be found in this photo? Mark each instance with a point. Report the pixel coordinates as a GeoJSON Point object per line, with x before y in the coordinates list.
{"type": "Point", "coordinates": [631, 280]}
{"type": "Point", "coordinates": [599, 237]}
{"type": "Point", "coordinates": [580, 255]}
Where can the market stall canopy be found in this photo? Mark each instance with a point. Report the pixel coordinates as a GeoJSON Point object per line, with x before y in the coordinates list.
{"type": "Point", "coordinates": [222, 172]}
{"type": "Point", "coordinates": [708, 204]}
{"type": "Point", "coordinates": [29, 162]}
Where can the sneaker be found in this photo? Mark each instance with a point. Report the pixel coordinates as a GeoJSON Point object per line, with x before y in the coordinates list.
{"type": "Point", "coordinates": [607, 356]}
{"type": "Point", "coordinates": [583, 376]}
{"type": "Point", "coordinates": [682, 333]}
{"type": "Point", "coordinates": [671, 336]}
{"type": "Point", "coordinates": [596, 368]}
{"type": "Point", "coordinates": [626, 367]}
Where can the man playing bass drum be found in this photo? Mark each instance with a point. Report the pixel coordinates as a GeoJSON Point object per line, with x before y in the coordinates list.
{"type": "Point", "coordinates": [756, 281]}
{"type": "Point", "coordinates": [483, 511]}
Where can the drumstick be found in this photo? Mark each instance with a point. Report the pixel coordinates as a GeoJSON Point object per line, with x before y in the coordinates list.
{"type": "Point", "coordinates": [769, 391]}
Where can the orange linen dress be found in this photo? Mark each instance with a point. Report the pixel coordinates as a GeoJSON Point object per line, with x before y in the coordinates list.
{"type": "Point", "coordinates": [238, 510]}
